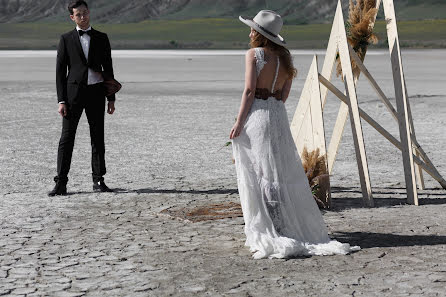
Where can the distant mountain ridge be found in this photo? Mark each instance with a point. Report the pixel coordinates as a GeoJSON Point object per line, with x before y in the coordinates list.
{"type": "Point", "coordinates": [118, 11]}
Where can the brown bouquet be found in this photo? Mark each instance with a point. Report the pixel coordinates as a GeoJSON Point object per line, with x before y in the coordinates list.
{"type": "Point", "coordinates": [316, 171]}
{"type": "Point", "coordinates": [361, 20]}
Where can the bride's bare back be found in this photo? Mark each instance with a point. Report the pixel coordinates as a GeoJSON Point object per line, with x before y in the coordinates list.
{"type": "Point", "coordinates": [266, 77]}
{"type": "Point", "coordinates": [261, 69]}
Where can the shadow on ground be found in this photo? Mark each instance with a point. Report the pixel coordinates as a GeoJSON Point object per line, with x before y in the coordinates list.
{"type": "Point", "coordinates": [178, 191]}
{"type": "Point", "coordinates": [390, 191]}
{"type": "Point", "coordinates": [373, 240]}
{"type": "Point", "coordinates": [346, 198]}
{"type": "Point", "coordinates": [383, 197]}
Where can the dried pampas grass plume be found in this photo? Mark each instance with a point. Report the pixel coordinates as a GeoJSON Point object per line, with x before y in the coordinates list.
{"type": "Point", "coordinates": [361, 19]}
{"type": "Point", "coordinates": [318, 178]}
{"type": "Point", "coordinates": [313, 163]}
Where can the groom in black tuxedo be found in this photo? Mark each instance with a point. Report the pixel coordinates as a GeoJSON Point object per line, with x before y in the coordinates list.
{"type": "Point", "coordinates": [83, 59]}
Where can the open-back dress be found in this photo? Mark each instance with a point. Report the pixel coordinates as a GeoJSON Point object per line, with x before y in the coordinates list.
{"type": "Point", "coordinates": [281, 216]}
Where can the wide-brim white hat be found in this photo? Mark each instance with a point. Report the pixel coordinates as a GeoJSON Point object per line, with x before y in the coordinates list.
{"type": "Point", "coordinates": [268, 23]}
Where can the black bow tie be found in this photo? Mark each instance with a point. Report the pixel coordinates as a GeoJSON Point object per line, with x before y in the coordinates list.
{"type": "Point", "coordinates": [84, 32]}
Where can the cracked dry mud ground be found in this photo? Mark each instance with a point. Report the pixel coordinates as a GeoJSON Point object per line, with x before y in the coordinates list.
{"type": "Point", "coordinates": [173, 116]}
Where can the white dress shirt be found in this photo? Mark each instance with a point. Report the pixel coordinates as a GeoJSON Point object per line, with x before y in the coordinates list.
{"type": "Point", "coordinates": [93, 76]}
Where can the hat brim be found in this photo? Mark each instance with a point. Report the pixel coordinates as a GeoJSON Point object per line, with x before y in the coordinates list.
{"type": "Point", "coordinates": [276, 39]}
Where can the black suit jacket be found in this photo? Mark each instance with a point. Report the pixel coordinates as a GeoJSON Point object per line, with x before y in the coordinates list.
{"type": "Point", "coordinates": [72, 66]}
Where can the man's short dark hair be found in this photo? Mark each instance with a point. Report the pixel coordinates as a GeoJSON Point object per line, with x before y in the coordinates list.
{"type": "Point", "coordinates": [76, 4]}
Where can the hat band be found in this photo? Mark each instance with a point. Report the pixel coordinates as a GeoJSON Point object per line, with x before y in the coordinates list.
{"type": "Point", "coordinates": [266, 31]}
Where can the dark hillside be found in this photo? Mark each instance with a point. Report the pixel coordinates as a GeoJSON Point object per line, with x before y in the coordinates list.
{"type": "Point", "coordinates": [117, 11]}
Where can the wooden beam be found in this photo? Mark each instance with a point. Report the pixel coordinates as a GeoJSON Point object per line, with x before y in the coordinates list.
{"type": "Point", "coordinates": [327, 71]}
{"type": "Point", "coordinates": [318, 120]}
{"type": "Point", "coordinates": [316, 110]}
{"type": "Point", "coordinates": [330, 57]}
{"type": "Point", "coordinates": [426, 159]}
{"type": "Point", "coordinates": [378, 3]}
{"type": "Point", "coordinates": [431, 171]}
{"type": "Point", "coordinates": [336, 136]}
{"type": "Point", "coordinates": [419, 150]}
{"type": "Point", "coordinates": [373, 83]}
{"type": "Point", "coordinates": [338, 130]}
{"type": "Point", "coordinates": [393, 112]}
{"type": "Point", "coordinates": [401, 101]}
{"type": "Point", "coordinates": [301, 123]}
{"type": "Point", "coordinates": [355, 120]}
{"type": "Point", "coordinates": [418, 169]}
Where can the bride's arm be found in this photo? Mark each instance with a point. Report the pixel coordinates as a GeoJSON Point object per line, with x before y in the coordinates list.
{"type": "Point", "coordinates": [248, 93]}
{"type": "Point", "coordinates": [286, 89]}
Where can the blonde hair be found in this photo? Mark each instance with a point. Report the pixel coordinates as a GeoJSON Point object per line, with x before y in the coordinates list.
{"type": "Point", "coordinates": [284, 54]}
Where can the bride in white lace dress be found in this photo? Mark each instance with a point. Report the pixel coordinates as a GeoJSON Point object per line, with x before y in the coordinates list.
{"type": "Point", "coordinates": [281, 217]}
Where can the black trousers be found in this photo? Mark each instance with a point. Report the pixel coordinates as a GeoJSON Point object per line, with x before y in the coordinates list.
{"type": "Point", "coordinates": [92, 99]}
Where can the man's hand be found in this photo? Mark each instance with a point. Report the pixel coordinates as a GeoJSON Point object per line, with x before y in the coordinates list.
{"type": "Point", "coordinates": [62, 109]}
{"type": "Point", "coordinates": [111, 107]}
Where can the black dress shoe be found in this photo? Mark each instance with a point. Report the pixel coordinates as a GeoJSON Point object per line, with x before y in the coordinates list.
{"type": "Point", "coordinates": [59, 189]}
{"type": "Point", "coordinates": [101, 187]}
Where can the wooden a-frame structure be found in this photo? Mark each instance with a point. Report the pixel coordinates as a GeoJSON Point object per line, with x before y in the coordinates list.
{"type": "Point", "coordinates": [307, 125]}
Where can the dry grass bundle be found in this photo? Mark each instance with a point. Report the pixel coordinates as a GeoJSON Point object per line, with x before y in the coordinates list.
{"type": "Point", "coordinates": [313, 163]}
{"type": "Point", "coordinates": [318, 178]}
{"type": "Point", "coordinates": [360, 34]}
{"type": "Point", "coordinates": [206, 212]}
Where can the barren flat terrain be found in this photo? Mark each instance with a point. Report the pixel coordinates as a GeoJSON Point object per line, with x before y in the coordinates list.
{"type": "Point", "coordinates": [165, 152]}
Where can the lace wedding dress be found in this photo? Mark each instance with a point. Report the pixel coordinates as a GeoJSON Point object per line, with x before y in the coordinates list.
{"type": "Point", "coordinates": [281, 217]}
